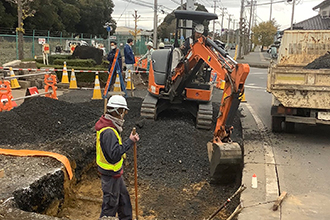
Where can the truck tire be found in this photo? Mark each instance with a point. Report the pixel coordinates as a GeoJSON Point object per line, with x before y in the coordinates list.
{"type": "Point", "coordinates": [289, 127]}
{"type": "Point", "coordinates": [277, 123]}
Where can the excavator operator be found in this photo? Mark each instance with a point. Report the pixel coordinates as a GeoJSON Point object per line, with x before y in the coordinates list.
{"type": "Point", "coordinates": [198, 32]}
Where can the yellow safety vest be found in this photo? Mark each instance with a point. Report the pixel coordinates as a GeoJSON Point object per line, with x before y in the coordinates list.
{"type": "Point", "coordinates": [100, 159]}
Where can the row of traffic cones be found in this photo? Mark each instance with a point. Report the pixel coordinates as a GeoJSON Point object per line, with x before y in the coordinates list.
{"type": "Point", "coordinates": [117, 86]}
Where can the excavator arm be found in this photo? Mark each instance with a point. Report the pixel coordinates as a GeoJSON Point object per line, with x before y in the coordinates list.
{"type": "Point", "coordinates": [233, 73]}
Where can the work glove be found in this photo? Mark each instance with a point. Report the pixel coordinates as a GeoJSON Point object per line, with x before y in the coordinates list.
{"type": "Point", "coordinates": [134, 137]}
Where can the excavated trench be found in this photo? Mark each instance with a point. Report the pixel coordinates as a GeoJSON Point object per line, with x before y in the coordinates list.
{"type": "Point", "coordinates": [173, 166]}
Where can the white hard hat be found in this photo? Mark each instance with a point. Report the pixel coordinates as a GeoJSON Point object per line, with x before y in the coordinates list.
{"type": "Point", "coordinates": [199, 28]}
{"type": "Point", "coordinates": [117, 101]}
{"type": "Point", "coordinates": [150, 44]}
{"type": "Point", "coordinates": [161, 44]}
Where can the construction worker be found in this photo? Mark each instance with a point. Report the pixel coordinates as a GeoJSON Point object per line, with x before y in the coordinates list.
{"type": "Point", "coordinates": [110, 151]}
{"type": "Point", "coordinates": [148, 54]}
{"type": "Point", "coordinates": [198, 32]}
{"type": "Point", "coordinates": [161, 45]}
{"type": "Point", "coordinates": [129, 57]}
{"type": "Point", "coordinates": [112, 53]}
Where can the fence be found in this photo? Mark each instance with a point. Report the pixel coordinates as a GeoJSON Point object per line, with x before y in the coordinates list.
{"type": "Point", "coordinates": [32, 48]}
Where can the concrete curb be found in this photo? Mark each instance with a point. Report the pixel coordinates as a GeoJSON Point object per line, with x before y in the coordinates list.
{"type": "Point", "coordinates": [257, 202]}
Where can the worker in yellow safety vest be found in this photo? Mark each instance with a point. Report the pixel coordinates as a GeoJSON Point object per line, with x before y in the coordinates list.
{"type": "Point", "coordinates": [110, 151]}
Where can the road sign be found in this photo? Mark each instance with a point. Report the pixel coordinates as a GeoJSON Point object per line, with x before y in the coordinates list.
{"type": "Point", "coordinates": [108, 28]}
{"type": "Point", "coordinates": [113, 37]}
{"type": "Point", "coordinates": [41, 40]}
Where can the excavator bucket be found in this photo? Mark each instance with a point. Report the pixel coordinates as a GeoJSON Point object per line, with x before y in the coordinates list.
{"type": "Point", "coordinates": [226, 162]}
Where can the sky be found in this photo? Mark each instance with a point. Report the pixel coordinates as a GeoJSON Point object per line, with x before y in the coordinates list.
{"type": "Point", "coordinates": [281, 11]}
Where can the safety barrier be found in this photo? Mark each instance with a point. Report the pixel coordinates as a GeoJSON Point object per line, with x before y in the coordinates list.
{"type": "Point", "coordinates": [61, 70]}
{"type": "Point", "coordinates": [7, 102]}
{"type": "Point", "coordinates": [28, 153]}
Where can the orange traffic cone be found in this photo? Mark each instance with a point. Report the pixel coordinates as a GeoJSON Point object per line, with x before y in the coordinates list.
{"type": "Point", "coordinates": [129, 85]}
{"type": "Point", "coordinates": [73, 81]}
{"type": "Point", "coordinates": [97, 89]}
{"type": "Point", "coordinates": [65, 78]}
{"type": "Point", "coordinates": [117, 87]}
{"type": "Point", "coordinates": [13, 82]}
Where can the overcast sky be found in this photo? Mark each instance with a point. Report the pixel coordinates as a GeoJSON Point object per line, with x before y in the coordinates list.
{"type": "Point", "coordinates": [282, 11]}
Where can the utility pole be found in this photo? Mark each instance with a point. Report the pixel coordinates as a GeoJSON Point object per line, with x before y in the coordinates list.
{"type": "Point", "coordinates": [228, 32]}
{"type": "Point", "coordinates": [251, 12]}
{"type": "Point", "coordinates": [240, 40]}
{"type": "Point", "coordinates": [155, 23]}
{"type": "Point", "coordinates": [293, 4]}
{"type": "Point", "coordinates": [20, 29]}
{"type": "Point", "coordinates": [190, 7]}
{"type": "Point", "coordinates": [136, 31]}
{"type": "Point", "coordinates": [215, 6]}
{"type": "Point", "coordinates": [181, 24]}
{"type": "Point", "coordinates": [234, 31]}
{"type": "Point", "coordinates": [271, 8]}
{"type": "Point", "coordinates": [222, 16]}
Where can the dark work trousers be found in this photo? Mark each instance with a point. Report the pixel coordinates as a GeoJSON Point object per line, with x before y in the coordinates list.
{"type": "Point", "coordinates": [115, 198]}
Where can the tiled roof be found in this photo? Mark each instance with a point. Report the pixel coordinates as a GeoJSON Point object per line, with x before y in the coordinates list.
{"type": "Point", "coordinates": [322, 4]}
{"type": "Point", "coordinates": [314, 23]}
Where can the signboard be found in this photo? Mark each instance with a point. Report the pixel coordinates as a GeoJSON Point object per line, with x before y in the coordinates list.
{"type": "Point", "coordinates": [113, 37]}
{"type": "Point", "coordinates": [45, 48]}
{"type": "Point", "coordinates": [41, 40]}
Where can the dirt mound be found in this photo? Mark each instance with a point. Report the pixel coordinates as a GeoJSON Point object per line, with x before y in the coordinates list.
{"type": "Point", "coordinates": [88, 52]}
{"type": "Point", "coordinates": [43, 119]}
{"type": "Point", "coordinates": [322, 62]}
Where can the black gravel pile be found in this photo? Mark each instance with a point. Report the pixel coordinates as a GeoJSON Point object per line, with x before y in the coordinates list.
{"type": "Point", "coordinates": [43, 119]}
{"type": "Point", "coordinates": [322, 62]}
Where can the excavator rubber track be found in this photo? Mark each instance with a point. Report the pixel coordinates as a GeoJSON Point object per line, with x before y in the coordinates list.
{"type": "Point", "coordinates": [204, 116]}
{"type": "Point", "coordinates": [149, 107]}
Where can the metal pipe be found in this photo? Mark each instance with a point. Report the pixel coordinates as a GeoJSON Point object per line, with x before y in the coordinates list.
{"type": "Point", "coordinates": [135, 178]}
{"type": "Point", "coordinates": [30, 96]}
{"type": "Point", "coordinates": [22, 76]}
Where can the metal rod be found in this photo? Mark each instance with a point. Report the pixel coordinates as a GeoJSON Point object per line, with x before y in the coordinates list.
{"type": "Point", "coordinates": [22, 76]}
{"type": "Point", "coordinates": [30, 96]}
{"type": "Point", "coordinates": [239, 190]}
{"type": "Point", "coordinates": [135, 178]}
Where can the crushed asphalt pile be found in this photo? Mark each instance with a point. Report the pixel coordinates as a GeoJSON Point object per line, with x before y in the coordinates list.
{"type": "Point", "coordinates": [322, 62]}
{"type": "Point", "coordinates": [173, 165]}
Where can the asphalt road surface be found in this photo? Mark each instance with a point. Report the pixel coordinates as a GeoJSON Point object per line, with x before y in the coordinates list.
{"type": "Point", "coordinates": [302, 157]}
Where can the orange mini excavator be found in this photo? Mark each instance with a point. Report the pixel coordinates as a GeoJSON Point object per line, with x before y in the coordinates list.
{"type": "Point", "coordinates": [178, 81]}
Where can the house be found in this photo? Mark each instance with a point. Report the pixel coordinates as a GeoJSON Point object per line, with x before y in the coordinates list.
{"type": "Point", "coordinates": [318, 22]}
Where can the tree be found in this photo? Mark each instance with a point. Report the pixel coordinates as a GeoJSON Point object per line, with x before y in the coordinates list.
{"type": "Point", "coordinates": [263, 34]}
{"type": "Point", "coordinates": [23, 11]}
{"type": "Point", "coordinates": [167, 27]}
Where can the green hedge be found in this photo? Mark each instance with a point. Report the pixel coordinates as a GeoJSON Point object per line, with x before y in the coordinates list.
{"type": "Point", "coordinates": [76, 62]}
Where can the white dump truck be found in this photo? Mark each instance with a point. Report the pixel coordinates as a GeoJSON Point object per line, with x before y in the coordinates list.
{"type": "Point", "coordinates": [300, 95]}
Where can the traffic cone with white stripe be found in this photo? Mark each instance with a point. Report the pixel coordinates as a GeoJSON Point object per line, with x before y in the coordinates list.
{"type": "Point", "coordinates": [13, 82]}
{"type": "Point", "coordinates": [129, 85]}
{"type": "Point", "coordinates": [97, 89]}
{"type": "Point", "coordinates": [65, 78]}
{"type": "Point", "coordinates": [117, 87]}
{"type": "Point", "coordinates": [73, 81]}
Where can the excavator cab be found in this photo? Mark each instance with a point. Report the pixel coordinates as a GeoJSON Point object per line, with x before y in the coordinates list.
{"type": "Point", "coordinates": [192, 92]}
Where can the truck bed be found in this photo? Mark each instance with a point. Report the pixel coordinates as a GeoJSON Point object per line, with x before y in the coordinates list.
{"type": "Point", "coordinates": [300, 88]}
